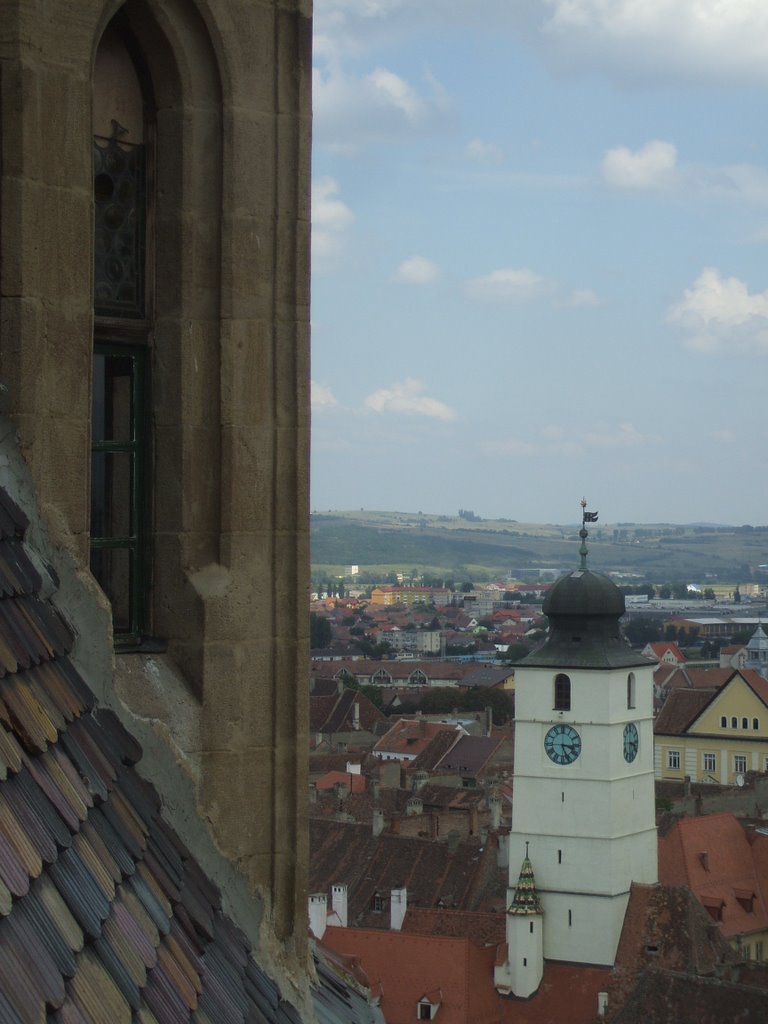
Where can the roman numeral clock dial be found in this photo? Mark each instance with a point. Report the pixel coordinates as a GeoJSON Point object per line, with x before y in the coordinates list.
{"type": "Point", "coordinates": [562, 744]}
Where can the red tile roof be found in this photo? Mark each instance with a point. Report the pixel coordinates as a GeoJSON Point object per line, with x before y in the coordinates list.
{"type": "Point", "coordinates": [714, 858]}
{"type": "Point", "coordinates": [405, 967]}
{"type": "Point", "coordinates": [355, 783]}
{"type": "Point", "coordinates": [662, 647]}
{"type": "Point", "coordinates": [409, 737]}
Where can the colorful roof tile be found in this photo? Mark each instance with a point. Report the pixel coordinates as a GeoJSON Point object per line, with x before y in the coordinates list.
{"type": "Point", "coordinates": [526, 899]}
{"type": "Point", "coordinates": [105, 916]}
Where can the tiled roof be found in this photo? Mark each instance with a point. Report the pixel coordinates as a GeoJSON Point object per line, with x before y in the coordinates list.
{"type": "Point", "coordinates": [105, 916]}
{"type": "Point", "coordinates": [712, 855]}
{"type": "Point", "coordinates": [349, 854]}
{"type": "Point", "coordinates": [435, 750]}
{"type": "Point", "coordinates": [680, 710]}
{"type": "Point", "coordinates": [567, 995]}
{"type": "Point", "coordinates": [335, 713]}
{"type": "Point", "coordinates": [354, 782]}
{"type": "Point", "coordinates": [661, 647]}
{"type": "Point", "coordinates": [408, 738]}
{"type": "Point", "coordinates": [470, 755]}
{"type": "Point", "coordinates": [486, 929]}
{"type": "Point", "coordinates": [454, 972]}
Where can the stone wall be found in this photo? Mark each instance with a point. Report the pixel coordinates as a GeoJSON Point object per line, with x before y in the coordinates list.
{"type": "Point", "coordinates": [230, 366]}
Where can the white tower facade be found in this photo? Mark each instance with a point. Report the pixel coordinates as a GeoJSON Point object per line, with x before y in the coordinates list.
{"type": "Point", "coordinates": [584, 802]}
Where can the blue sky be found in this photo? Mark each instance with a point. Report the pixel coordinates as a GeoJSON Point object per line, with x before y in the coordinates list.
{"type": "Point", "coordinates": [540, 231]}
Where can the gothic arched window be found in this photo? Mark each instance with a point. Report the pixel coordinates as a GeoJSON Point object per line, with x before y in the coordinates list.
{"type": "Point", "coordinates": [120, 414]}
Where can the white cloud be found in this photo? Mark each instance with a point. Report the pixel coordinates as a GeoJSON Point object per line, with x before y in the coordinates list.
{"type": "Point", "coordinates": [322, 397]}
{"type": "Point", "coordinates": [350, 110]}
{"type": "Point", "coordinates": [699, 40]}
{"type": "Point", "coordinates": [407, 397]}
{"type": "Point", "coordinates": [330, 219]}
{"type": "Point", "coordinates": [509, 284]}
{"type": "Point", "coordinates": [715, 40]}
{"type": "Point", "coordinates": [583, 297]}
{"type": "Point", "coordinates": [513, 447]}
{"type": "Point", "coordinates": [723, 436]}
{"type": "Point", "coordinates": [718, 313]}
{"type": "Point", "coordinates": [416, 270]}
{"type": "Point", "coordinates": [650, 167]}
{"type": "Point", "coordinates": [484, 152]}
{"type": "Point", "coordinates": [626, 435]}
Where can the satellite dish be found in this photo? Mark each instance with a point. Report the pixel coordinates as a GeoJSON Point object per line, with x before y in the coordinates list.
{"type": "Point", "coordinates": [739, 779]}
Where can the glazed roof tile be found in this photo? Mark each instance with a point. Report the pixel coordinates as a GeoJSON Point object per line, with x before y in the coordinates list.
{"type": "Point", "coordinates": [105, 917]}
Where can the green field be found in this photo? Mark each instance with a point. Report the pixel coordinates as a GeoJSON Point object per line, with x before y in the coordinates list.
{"type": "Point", "coordinates": [382, 542]}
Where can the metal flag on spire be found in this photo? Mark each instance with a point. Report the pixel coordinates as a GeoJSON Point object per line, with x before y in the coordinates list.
{"type": "Point", "coordinates": [586, 517]}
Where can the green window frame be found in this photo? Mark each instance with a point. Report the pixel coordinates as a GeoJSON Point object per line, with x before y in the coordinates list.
{"type": "Point", "coordinates": [120, 555]}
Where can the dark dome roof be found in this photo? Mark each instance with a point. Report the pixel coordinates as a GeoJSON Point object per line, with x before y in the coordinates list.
{"type": "Point", "coordinates": [583, 592]}
{"type": "Point", "coordinates": [584, 609]}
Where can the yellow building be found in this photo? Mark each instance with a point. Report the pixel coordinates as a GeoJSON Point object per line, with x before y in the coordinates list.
{"type": "Point", "coordinates": [391, 596]}
{"type": "Point", "coordinates": [715, 735]}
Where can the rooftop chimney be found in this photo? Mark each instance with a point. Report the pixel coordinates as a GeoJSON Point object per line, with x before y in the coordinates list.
{"type": "Point", "coordinates": [339, 903]}
{"type": "Point", "coordinates": [397, 907]}
{"type": "Point", "coordinates": [494, 802]}
{"type": "Point", "coordinates": [318, 913]}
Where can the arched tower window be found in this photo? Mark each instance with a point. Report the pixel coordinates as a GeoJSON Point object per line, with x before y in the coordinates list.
{"type": "Point", "coordinates": [631, 690]}
{"type": "Point", "coordinates": [122, 303]}
{"type": "Point", "coordinates": [562, 695]}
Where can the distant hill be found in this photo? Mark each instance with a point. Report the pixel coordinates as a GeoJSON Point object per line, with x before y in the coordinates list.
{"type": "Point", "coordinates": [468, 548]}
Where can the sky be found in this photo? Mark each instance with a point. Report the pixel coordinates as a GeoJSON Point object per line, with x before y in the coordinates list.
{"type": "Point", "coordinates": [540, 258]}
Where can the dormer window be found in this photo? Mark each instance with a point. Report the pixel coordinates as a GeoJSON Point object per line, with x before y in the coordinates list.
{"type": "Point", "coordinates": [427, 1006]}
{"type": "Point", "coordinates": [746, 899]}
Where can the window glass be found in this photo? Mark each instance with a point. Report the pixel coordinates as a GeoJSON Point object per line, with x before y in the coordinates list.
{"type": "Point", "coordinates": [631, 690]}
{"type": "Point", "coordinates": [562, 701]}
{"type": "Point", "coordinates": [709, 762]}
{"type": "Point", "coordinates": [739, 763]}
{"type": "Point", "coordinates": [673, 759]}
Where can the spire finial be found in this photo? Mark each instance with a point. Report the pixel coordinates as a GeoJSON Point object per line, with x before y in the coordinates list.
{"type": "Point", "coordinates": [586, 517]}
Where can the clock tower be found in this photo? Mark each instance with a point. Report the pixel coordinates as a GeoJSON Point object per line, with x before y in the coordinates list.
{"type": "Point", "coordinates": [583, 807]}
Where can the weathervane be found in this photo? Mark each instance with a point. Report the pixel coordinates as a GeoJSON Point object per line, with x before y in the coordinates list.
{"type": "Point", "coordinates": [586, 517]}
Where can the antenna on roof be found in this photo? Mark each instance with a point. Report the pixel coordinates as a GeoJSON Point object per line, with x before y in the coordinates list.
{"type": "Point", "coordinates": [586, 517]}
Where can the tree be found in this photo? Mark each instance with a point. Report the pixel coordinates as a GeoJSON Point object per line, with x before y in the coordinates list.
{"type": "Point", "coordinates": [640, 630]}
{"type": "Point", "coordinates": [319, 631]}
{"type": "Point", "coordinates": [467, 587]}
{"type": "Point", "coordinates": [500, 702]}
{"type": "Point", "coordinates": [515, 653]}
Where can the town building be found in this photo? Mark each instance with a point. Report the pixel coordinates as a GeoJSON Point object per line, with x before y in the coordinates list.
{"type": "Point", "coordinates": [716, 734]}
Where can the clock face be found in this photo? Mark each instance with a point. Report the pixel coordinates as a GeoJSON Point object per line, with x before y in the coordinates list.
{"type": "Point", "coordinates": [630, 742]}
{"type": "Point", "coordinates": [562, 744]}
